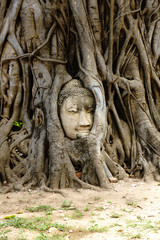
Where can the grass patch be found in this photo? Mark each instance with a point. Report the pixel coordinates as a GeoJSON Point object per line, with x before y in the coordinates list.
{"type": "Point", "coordinates": [99, 208]}
{"type": "Point", "coordinates": [131, 203]}
{"type": "Point", "coordinates": [115, 215]}
{"type": "Point", "coordinates": [93, 214]}
{"type": "Point", "coordinates": [115, 225]}
{"type": "Point", "coordinates": [125, 210]}
{"type": "Point", "coordinates": [42, 208]}
{"type": "Point", "coordinates": [77, 214]}
{"type": "Point", "coordinates": [150, 225]}
{"type": "Point", "coordinates": [62, 227]}
{"type": "Point", "coordinates": [92, 221]}
{"type": "Point", "coordinates": [87, 208]}
{"type": "Point", "coordinates": [137, 236]}
{"type": "Point", "coordinates": [97, 198]}
{"type": "Point", "coordinates": [66, 205]}
{"type": "Point", "coordinates": [144, 225]}
{"type": "Point", "coordinates": [53, 237]}
{"type": "Point", "coordinates": [2, 234]}
{"type": "Point", "coordinates": [133, 224]}
{"type": "Point", "coordinates": [96, 228]}
{"type": "Point", "coordinates": [38, 223]}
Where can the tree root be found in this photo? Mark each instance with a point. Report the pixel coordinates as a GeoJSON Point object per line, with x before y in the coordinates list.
{"type": "Point", "coordinates": [46, 189]}
{"type": "Point", "coordinates": [88, 186]}
{"type": "Point", "coordinates": [114, 168]}
{"type": "Point", "coordinates": [9, 189]}
{"type": "Point", "coordinates": [18, 187]}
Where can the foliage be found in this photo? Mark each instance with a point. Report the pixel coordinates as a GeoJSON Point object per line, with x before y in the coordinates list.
{"type": "Point", "coordinates": [42, 208]}
{"type": "Point", "coordinates": [96, 228]}
{"type": "Point", "coordinates": [53, 237]}
{"type": "Point", "coordinates": [87, 208]}
{"type": "Point", "coordinates": [131, 203]}
{"type": "Point", "coordinates": [77, 214]}
{"type": "Point", "coordinates": [38, 223]}
{"type": "Point", "coordinates": [9, 217]}
{"type": "Point", "coordinates": [18, 124]}
{"type": "Point", "coordinates": [115, 215]}
{"type": "Point", "coordinates": [97, 198]}
{"type": "Point", "coordinates": [66, 205]}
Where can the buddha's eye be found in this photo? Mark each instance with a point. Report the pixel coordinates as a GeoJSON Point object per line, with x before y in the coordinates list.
{"type": "Point", "coordinates": [73, 110]}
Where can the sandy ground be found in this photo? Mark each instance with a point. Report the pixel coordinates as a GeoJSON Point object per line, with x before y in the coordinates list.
{"type": "Point", "coordinates": [129, 210]}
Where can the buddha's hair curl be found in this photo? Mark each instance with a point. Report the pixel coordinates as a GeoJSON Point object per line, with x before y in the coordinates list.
{"type": "Point", "coordinates": [73, 88]}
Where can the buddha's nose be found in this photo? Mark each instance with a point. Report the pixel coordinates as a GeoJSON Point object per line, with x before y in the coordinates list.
{"type": "Point", "coordinates": [84, 120]}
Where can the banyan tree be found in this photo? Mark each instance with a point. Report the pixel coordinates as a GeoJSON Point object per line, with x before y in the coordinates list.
{"type": "Point", "coordinates": [80, 92]}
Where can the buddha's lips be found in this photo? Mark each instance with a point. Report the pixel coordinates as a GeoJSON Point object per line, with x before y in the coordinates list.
{"type": "Point", "coordinates": [86, 131]}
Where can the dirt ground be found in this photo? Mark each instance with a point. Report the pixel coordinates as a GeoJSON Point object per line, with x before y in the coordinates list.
{"type": "Point", "coordinates": [129, 210]}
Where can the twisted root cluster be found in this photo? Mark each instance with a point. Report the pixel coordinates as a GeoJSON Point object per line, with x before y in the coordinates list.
{"type": "Point", "coordinates": [113, 48]}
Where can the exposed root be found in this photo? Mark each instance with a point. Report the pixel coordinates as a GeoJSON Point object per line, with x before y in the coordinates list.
{"type": "Point", "coordinates": [10, 188]}
{"type": "Point", "coordinates": [88, 186]}
{"type": "Point", "coordinates": [46, 189]}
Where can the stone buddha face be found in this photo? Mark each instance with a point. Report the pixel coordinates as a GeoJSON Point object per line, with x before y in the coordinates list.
{"type": "Point", "coordinates": [77, 106]}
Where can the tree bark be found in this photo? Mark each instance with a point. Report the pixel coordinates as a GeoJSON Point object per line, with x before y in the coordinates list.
{"type": "Point", "coordinates": [113, 48]}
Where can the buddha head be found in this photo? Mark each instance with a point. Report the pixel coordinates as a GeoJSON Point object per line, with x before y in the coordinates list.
{"type": "Point", "coordinates": [76, 108]}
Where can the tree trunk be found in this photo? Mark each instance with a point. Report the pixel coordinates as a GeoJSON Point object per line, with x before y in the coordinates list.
{"type": "Point", "coordinates": [112, 49]}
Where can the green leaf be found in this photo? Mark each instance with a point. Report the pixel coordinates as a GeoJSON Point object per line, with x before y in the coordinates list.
{"type": "Point", "coordinates": [9, 217]}
{"type": "Point", "coordinates": [18, 124]}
